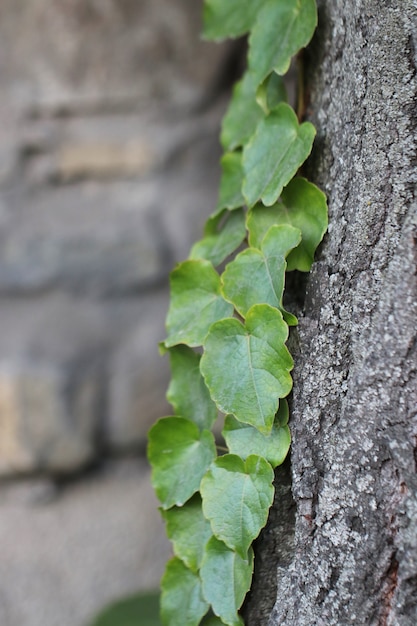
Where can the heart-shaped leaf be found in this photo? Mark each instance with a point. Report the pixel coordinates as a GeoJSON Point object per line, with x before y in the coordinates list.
{"type": "Point", "coordinates": [222, 235]}
{"type": "Point", "coordinates": [302, 205]}
{"type": "Point", "coordinates": [249, 105]}
{"type": "Point", "coordinates": [274, 154]}
{"type": "Point", "coordinates": [244, 440]}
{"type": "Point", "coordinates": [271, 92]}
{"type": "Point", "coordinates": [237, 496]}
{"type": "Point", "coordinates": [230, 194]}
{"type": "Point", "coordinates": [258, 276]}
{"type": "Point", "coordinates": [187, 391]}
{"type": "Point", "coordinates": [226, 579]}
{"type": "Point", "coordinates": [182, 601]}
{"type": "Point", "coordinates": [242, 115]}
{"type": "Point", "coordinates": [246, 368]}
{"type": "Point", "coordinates": [179, 455]}
{"type": "Point", "coordinates": [282, 28]}
{"type": "Point", "coordinates": [196, 302]}
{"type": "Point", "coordinates": [189, 531]}
{"type": "Point", "coordinates": [229, 18]}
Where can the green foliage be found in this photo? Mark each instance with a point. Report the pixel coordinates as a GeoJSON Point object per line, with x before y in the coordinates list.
{"type": "Point", "coordinates": [222, 235]}
{"type": "Point", "coordinates": [180, 455]}
{"type": "Point", "coordinates": [281, 29]}
{"type": "Point", "coordinates": [230, 19]}
{"type": "Point", "coordinates": [196, 302]}
{"type": "Point", "coordinates": [274, 154]}
{"type": "Point", "coordinates": [303, 206]}
{"type": "Point", "coordinates": [246, 367]}
{"type": "Point", "coordinates": [227, 327]}
{"type": "Point", "coordinates": [236, 499]}
{"type": "Point", "coordinates": [257, 276]}
{"type": "Point", "coordinates": [182, 600]}
{"type": "Point", "coordinates": [189, 530]}
{"type": "Point", "coordinates": [243, 115]}
{"type": "Point", "coordinates": [142, 609]}
{"type": "Point", "coordinates": [226, 579]}
{"type": "Point", "coordinates": [230, 195]}
{"type": "Point", "coordinates": [245, 440]}
{"type": "Point", "coordinates": [187, 391]}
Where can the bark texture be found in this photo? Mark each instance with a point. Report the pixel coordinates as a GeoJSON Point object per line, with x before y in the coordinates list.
{"type": "Point", "coordinates": [354, 410]}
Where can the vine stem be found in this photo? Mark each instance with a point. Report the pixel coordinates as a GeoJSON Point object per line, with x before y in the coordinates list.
{"type": "Point", "coordinates": [301, 106]}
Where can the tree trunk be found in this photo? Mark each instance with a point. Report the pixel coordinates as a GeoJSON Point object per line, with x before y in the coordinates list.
{"type": "Point", "coordinates": [344, 551]}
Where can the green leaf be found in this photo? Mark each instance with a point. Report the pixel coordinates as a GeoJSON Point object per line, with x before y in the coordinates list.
{"type": "Point", "coordinates": [246, 368]}
{"type": "Point", "coordinates": [248, 107]}
{"type": "Point", "coordinates": [242, 115]}
{"type": "Point", "coordinates": [230, 195]}
{"type": "Point", "coordinates": [237, 496]}
{"type": "Point", "coordinates": [179, 455]}
{"type": "Point", "coordinates": [229, 18]}
{"type": "Point", "coordinates": [226, 579]}
{"type": "Point", "coordinates": [283, 27]}
{"type": "Point", "coordinates": [196, 302]}
{"type": "Point", "coordinates": [189, 532]}
{"type": "Point", "coordinates": [223, 234]}
{"type": "Point", "coordinates": [182, 601]}
{"type": "Point", "coordinates": [141, 608]}
{"type": "Point", "coordinates": [274, 154]}
{"type": "Point", "coordinates": [283, 415]}
{"type": "Point", "coordinates": [260, 218]}
{"type": "Point", "coordinates": [245, 440]}
{"type": "Point", "coordinates": [258, 276]}
{"type": "Point", "coordinates": [211, 620]}
{"type": "Point", "coordinates": [271, 92]}
{"type": "Point", "coordinates": [187, 391]}
{"type": "Point", "coordinates": [304, 206]}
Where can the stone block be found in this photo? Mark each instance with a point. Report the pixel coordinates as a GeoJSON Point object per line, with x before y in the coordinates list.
{"type": "Point", "coordinates": [64, 558]}
{"type": "Point", "coordinates": [103, 160]}
{"type": "Point", "coordinates": [81, 238]}
{"type": "Point", "coordinates": [109, 236]}
{"type": "Point", "coordinates": [89, 55]}
{"type": "Point", "coordinates": [48, 417]}
{"type": "Point", "coordinates": [190, 195]}
{"type": "Point", "coordinates": [139, 377]}
{"type": "Point", "coordinates": [105, 147]}
{"type": "Point", "coordinates": [52, 379]}
{"type": "Point", "coordinates": [77, 376]}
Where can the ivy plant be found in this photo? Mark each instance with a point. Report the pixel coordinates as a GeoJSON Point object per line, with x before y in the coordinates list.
{"type": "Point", "coordinates": [227, 326]}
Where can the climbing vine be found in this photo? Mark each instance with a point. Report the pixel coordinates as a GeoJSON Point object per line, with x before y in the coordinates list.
{"type": "Point", "coordinates": [227, 327]}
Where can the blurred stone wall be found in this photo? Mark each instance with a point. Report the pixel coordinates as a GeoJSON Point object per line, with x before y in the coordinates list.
{"type": "Point", "coordinates": [109, 121]}
{"type": "Point", "coordinates": [108, 142]}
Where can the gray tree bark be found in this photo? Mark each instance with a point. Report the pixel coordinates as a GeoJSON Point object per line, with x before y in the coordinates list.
{"type": "Point", "coordinates": [342, 549]}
